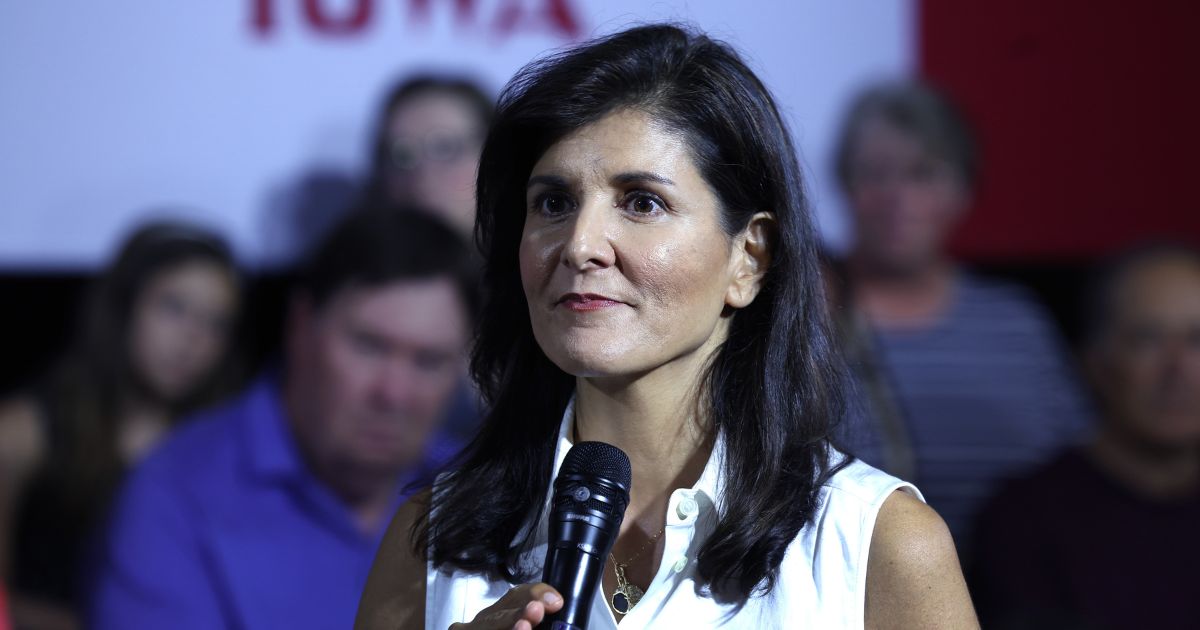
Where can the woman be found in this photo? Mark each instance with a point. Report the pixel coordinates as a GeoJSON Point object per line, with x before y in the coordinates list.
{"type": "Point", "coordinates": [655, 286]}
{"type": "Point", "coordinates": [426, 148]}
{"type": "Point", "coordinates": [155, 345]}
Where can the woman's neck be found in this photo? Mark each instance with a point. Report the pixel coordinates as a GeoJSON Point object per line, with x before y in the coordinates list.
{"type": "Point", "coordinates": [657, 419]}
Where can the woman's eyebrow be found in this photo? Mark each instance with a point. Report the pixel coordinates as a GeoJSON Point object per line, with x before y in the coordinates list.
{"type": "Point", "coordinates": [638, 177]}
{"type": "Point", "coordinates": [553, 181]}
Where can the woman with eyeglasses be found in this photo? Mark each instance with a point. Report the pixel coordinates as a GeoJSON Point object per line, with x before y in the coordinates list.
{"type": "Point", "coordinates": [427, 145]}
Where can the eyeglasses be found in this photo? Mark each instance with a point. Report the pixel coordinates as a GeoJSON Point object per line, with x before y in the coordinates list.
{"type": "Point", "coordinates": [406, 153]}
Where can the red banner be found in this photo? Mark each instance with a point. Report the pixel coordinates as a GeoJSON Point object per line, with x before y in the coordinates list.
{"type": "Point", "coordinates": [1087, 117]}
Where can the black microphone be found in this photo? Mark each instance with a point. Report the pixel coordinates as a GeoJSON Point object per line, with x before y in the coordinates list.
{"type": "Point", "coordinates": [590, 496]}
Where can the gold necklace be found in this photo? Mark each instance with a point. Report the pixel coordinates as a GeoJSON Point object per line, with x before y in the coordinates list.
{"type": "Point", "coordinates": [627, 594]}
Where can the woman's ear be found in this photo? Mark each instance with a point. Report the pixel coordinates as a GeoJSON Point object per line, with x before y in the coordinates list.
{"type": "Point", "coordinates": [751, 257]}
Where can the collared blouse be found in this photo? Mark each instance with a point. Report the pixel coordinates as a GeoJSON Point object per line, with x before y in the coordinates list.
{"type": "Point", "coordinates": [821, 584]}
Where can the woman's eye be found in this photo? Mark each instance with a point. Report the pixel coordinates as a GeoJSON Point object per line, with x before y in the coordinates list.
{"type": "Point", "coordinates": [551, 203]}
{"type": "Point", "coordinates": [642, 203]}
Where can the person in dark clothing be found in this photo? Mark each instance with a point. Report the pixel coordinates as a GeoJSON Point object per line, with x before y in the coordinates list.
{"type": "Point", "coordinates": [155, 345]}
{"type": "Point", "coordinates": [1106, 536]}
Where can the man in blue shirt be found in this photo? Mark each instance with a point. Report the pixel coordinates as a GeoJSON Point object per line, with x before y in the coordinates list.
{"type": "Point", "coordinates": [266, 513]}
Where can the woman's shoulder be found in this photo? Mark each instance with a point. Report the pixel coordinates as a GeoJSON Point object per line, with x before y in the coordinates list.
{"type": "Point", "coordinates": [914, 579]}
{"type": "Point", "coordinates": [839, 536]}
{"type": "Point", "coordinates": [874, 530]}
{"type": "Point", "coordinates": [857, 485]}
{"type": "Point", "coordinates": [847, 507]}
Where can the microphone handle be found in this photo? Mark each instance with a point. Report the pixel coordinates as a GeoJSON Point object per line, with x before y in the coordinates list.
{"type": "Point", "coordinates": [575, 572]}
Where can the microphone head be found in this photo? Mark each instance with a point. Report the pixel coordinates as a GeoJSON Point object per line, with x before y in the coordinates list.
{"type": "Point", "coordinates": [598, 459]}
{"type": "Point", "coordinates": [590, 497]}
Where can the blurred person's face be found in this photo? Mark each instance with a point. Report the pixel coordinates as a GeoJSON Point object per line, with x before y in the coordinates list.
{"type": "Point", "coordinates": [1146, 367]}
{"type": "Point", "coordinates": [902, 199]}
{"type": "Point", "coordinates": [623, 258]}
{"type": "Point", "coordinates": [435, 139]}
{"type": "Point", "coordinates": [181, 325]}
{"type": "Point", "coordinates": [371, 373]}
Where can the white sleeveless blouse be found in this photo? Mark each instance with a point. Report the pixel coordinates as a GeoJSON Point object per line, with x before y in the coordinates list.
{"type": "Point", "coordinates": [822, 579]}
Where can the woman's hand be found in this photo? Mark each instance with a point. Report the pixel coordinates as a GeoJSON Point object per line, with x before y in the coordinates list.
{"type": "Point", "coordinates": [521, 608]}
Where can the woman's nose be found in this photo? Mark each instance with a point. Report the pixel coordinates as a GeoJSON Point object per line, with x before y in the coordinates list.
{"type": "Point", "coordinates": [589, 240]}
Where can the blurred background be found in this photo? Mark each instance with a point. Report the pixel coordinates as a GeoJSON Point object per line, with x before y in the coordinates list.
{"type": "Point", "coordinates": [256, 116]}
{"type": "Point", "coordinates": [246, 115]}
{"type": "Point", "coordinates": [259, 123]}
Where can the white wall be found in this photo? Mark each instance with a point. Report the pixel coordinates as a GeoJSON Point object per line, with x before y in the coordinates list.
{"type": "Point", "coordinates": [109, 110]}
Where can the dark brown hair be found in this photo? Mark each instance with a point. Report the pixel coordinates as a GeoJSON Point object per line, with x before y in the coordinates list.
{"type": "Point", "coordinates": [774, 388]}
{"type": "Point", "coordinates": [83, 395]}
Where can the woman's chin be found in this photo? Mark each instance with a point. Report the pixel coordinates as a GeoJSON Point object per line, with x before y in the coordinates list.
{"type": "Point", "coordinates": [594, 364]}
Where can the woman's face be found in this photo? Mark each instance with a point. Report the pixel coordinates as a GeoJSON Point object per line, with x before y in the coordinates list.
{"type": "Point", "coordinates": [623, 259]}
{"type": "Point", "coordinates": [181, 326]}
{"type": "Point", "coordinates": [435, 140]}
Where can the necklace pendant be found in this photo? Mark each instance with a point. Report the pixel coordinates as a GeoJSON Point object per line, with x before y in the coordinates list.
{"type": "Point", "coordinates": [620, 602]}
{"type": "Point", "coordinates": [625, 598]}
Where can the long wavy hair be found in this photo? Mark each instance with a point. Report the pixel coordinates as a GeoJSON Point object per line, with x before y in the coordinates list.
{"type": "Point", "coordinates": [774, 388]}
{"type": "Point", "coordinates": [83, 396]}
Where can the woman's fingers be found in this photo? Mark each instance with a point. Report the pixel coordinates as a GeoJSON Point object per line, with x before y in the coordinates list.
{"type": "Point", "coordinates": [530, 616]}
{"type": "Point", "coordinates": [543, 600]}
{"type": "Point", "coordinates": [546, 594]}
{"type": "Point", "coordinates": [522, 607]}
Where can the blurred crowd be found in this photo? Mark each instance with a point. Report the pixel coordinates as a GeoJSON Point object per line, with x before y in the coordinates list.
{"type": "Point", "coordinates": [155, 478]}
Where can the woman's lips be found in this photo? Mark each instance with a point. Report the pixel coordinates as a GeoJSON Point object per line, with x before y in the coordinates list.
{"type": "Point", "coordinates": [583, 302]}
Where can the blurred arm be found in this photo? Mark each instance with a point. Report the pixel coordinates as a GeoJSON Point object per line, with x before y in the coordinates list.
{"type": "Point", "coordinates": [394, 597]}
{"type": "Point", "coordinates": [22, 446]}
